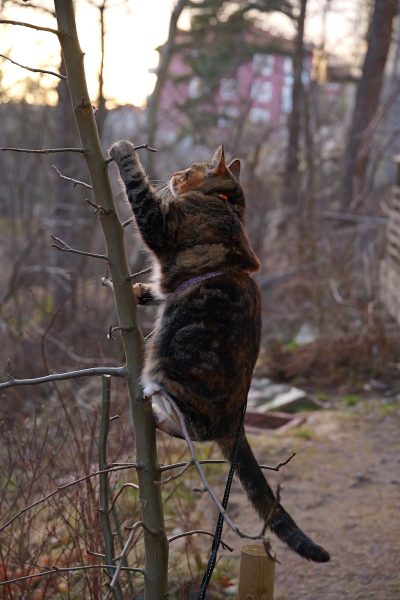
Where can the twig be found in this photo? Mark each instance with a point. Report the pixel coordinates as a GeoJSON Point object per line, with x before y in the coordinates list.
{"type": "Point", "coordinates": [146, 146]}
{"type": "Point", "coordinates": [14, 62]}
{"type": "Point", "coordinates": [64, 247]}
{"type": "Point", "coordinates": [189, 464]}
{"type": "Point", "coordinates": [371, 220]}
{"type": "Point", "coordinates": [217, 461]}
{"type": "Point", "coordinates": [109, 469]}
{"type": "Point", "coordinates": [104, 491]}
{"type": "Point", "coordinates": [74, 181]}
{"type": "Point", "coordinates": [122, 556]}
{"type": "Point", "coordinates": [116, 371]}
{"type": "Point", "coordinates": [279, 465]}
{"type": "Point", "coordinates": [123, 487]}
{"type": "Point", "coordinates": [335, 292]}
{"type": "Point", "coordinates": [43, 151]}
{"type": "Point", "coordinates": [186, 533]}
{"type": "Point", "coordinates": [32, 26]}
{"type": "Point", "coordinates": [128, 222]}
{"type": "Point", "coordinates": [142, 272]}
{"type": "Point", "coordinates": [106, 281]}
{"type": "Point", "coordinates": [98, 554]}
{"type": "Point", "coordinates": [95, 206]}
{"type": "Point", "coordinates": [56, 570]}
{"type": "Point", "coordinates": [210, 461]}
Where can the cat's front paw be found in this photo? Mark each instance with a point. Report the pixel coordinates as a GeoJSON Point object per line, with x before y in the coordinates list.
{"type": "Point", "coordinates": [121, 150]}
{"type": "Point", "coordinates": [142, 294]}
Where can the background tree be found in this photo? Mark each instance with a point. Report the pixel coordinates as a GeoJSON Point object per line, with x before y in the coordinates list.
{"type": "Point", "coordinates": [291, 177]}
{"type": "Point", "coordinates": [367, 100]}
{"type": "Point", "coordinates": [153, 102]}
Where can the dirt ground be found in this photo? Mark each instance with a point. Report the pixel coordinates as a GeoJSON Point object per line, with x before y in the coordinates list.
{"type": "Point", "coordinates": [342, 488]}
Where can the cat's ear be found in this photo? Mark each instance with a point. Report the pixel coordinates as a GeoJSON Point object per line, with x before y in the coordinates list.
{"type": "Point", "coordinates": [234, 168]}
{"type": "Point", "coordinates": [217, 164]}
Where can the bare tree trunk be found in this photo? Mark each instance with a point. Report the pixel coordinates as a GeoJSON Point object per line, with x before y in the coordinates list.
{"type": "Point", "coordinates": [291, 181]}
{"type": "Point", "coordinates": [162, 72]}
{"type": "Point", "coordinates": [367, 100]}
{"type": "Point", "coordinates": [155, 540]}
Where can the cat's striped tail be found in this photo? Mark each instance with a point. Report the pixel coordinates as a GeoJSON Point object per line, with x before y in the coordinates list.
{"type": "Point", "coordinates": [263, 499]}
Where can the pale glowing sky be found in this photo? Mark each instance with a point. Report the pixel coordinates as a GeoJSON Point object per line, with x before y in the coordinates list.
{"type": "Point", "coordinates": [134, 29]}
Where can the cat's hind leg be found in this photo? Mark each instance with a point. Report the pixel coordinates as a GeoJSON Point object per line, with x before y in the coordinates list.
{"type": "Point", "coordinates": [164, 415]}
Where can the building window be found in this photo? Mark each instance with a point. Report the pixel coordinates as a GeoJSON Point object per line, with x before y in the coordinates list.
{"type": "Point", "coordinates": [227, 89]}
{"type": "Point", "coordinates": [259, 115]}
{"type": "Point", "coordinates": [227, 115]}
{"type": "Point", "coordinates": [261, 91]}
{"type": "Point", "coordinates": [287, 65]}
{"type": "Point", "coordinates": [264, 64]}
{"type": "Point", "coordinates": [287, 98]}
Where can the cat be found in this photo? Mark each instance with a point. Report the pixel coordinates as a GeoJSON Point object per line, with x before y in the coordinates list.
{"type": "Point", "coordinates": [207, 334]}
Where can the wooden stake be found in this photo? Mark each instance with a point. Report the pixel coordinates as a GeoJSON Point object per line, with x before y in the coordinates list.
{"type": "Point", "coordinates": [257, 573]}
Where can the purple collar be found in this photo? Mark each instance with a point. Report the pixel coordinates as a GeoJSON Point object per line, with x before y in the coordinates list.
{"type": "Point", "coordinates": [197, 279]}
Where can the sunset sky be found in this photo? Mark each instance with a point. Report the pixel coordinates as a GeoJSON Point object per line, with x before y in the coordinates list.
{"type": "Point", "coordinates": [134, 29]}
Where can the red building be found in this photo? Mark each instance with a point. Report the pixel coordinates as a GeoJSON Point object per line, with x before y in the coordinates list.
{"type": "Point", "coordinates": [259, 91]}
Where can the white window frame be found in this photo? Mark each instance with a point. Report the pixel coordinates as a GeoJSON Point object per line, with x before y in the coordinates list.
{"type": "Point", "coordinates": [264, 64]}
{"type": "Point", "coordinates": [262, 91]}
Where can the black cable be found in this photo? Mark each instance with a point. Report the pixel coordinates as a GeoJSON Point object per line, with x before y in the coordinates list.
{"type": "Point", "coordinates": [220, 523]}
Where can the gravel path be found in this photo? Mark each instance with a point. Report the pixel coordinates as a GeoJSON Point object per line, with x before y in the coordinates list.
{"type": "Point", "coordinates": [343, 488]}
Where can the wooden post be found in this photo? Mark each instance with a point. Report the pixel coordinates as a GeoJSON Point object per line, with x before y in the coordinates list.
{"type": "Point", "coordinates": [257, 574]}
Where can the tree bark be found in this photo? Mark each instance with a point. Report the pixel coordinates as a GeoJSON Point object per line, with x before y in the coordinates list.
{"type": "Point", "coordinates": [367, 101]}
{"type": "Point", "coordinates": [291, 181]}
{"type": "Point", "coordinates": [155, 540]}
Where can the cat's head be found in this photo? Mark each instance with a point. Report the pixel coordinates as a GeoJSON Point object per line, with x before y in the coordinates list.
{"type": "Point", "coordinates": [214, 176]}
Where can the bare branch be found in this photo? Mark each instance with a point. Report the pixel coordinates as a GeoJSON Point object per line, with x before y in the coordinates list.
{"type": "Point", "coordinates": [43, 151]}
{"type": "Point", "coordinates": [14, 62]}
{"type": "Point", "coordinates": [196, 462]}
{"type": "Point", "coordinates": [116, 371]}
{"type": "Point", "coordinates": [211, 461]}
{"type": "Point", "coordinates": [189, 464]}
{"type": "Point", "coordinates": [64, 247]}
{"type": "Point", "coordinates": [57, 570]}
{"type": "Point", "coordinates": [146, 146]}
{"type": "Point", "coordinates": [104, 492]}
{"type": "Point", "coordinates": [74, 181]}
{"type": "Point", "coordinates": [32, 26]}
{"type": "Point", "coordinates": [122, 488]}
{"type": "Point", "coordinates": [279, 465]}
{"type": "Point", "coordinates": [209, 490]}
{"type": "Point", "coordinates": [109, 469]}
{"type": "Point", "coordinates": [122, 556]}
{"type": "Point", "coordinates": [186, 533]}
{"type": "Point", "coordinates": [215, 461]}
{"type": "Point", "coordinates": [128, 222]}
{"type": "Point", "coordinates": [142, 272]}
{"type": "Point", "coordinates": [31, 4]}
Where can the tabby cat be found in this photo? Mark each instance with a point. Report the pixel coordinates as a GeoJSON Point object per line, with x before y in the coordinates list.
{"type": "Point", "coordinates": [207, 334]}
